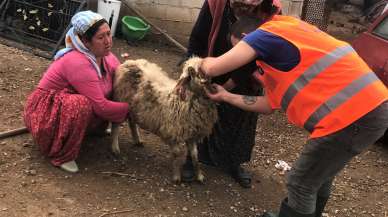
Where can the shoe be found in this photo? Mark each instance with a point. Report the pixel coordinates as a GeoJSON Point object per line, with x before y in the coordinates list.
{"type": "Point", "coordinates": [70, 167]}
{"type": "Point", "coordinates": [241, 176]}
{"type": "Point", "coordinates": [269, 214]}
{"type": "Point", "coordinates": [188, 174]}
{"type": "Point", "coordinates": [321, 203]}
{"type": "Point", "coordinates": [286, 211]}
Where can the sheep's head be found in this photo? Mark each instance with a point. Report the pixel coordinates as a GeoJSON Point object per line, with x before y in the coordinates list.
{"type": "Point", "coordinates": [192, 78]}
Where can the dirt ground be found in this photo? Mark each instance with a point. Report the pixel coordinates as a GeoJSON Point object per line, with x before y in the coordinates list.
{"type": "Point", "coordinates": [139, 185]}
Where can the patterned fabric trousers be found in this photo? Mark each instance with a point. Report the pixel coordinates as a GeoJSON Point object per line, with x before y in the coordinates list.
{"type": "Point", "coordinates": [57, 121]}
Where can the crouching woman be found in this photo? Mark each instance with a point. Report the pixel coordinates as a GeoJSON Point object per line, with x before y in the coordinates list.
{"type": "Point", "coordinates": [73, 96]}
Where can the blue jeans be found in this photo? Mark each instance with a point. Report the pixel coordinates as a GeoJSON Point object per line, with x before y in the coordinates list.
{"type": "Point", "coordinates": [323, 158]}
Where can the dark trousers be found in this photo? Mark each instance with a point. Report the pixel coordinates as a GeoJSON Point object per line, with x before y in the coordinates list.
{"type": "Point", "coordinates": [233, 136]}
{"type": "Point", "coordinates": [323, 158]}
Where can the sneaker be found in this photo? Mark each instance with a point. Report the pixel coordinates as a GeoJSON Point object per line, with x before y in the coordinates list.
{"type": "Point", "coordinates": [70, 167]}
{"type": "Point", "coordinates": [269, 214]}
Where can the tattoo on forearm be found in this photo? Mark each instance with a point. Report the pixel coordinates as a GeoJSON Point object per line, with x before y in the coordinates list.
{"type": "Point", "coordinates": [249, 100]}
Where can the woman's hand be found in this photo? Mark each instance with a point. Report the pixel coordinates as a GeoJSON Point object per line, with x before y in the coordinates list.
{"type": "Point", "coordinates": [218, 94]}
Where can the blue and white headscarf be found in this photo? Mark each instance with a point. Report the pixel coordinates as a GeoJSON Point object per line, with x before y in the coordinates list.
{"type": "Point", "coordinates": [80, 22]}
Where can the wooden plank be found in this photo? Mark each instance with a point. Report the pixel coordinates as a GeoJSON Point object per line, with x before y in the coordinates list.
{"type": "Point", "coordinates": [13, 132]}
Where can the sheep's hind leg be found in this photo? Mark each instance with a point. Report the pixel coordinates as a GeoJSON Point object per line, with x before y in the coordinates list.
{"type": "Point", "coordinates": [179, 153]}
{"type": "Point", "coordinates": [115, 139]}
{"type": "Point", "coordinates": [194, 157]}
{"type": "Point", "coordinates": [134, 132]}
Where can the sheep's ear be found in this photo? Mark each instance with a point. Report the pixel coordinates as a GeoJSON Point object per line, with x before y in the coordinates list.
{"type": "Point", "coordinates": [180, 88]}
{"type": "Point", "coordinates": [192, 72]}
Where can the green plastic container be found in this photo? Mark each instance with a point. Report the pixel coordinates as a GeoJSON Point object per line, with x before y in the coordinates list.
{"type": "Point", "coordinates": [134, 28]}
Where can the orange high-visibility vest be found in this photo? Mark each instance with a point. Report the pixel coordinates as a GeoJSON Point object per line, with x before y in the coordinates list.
{"type": "Point", "coordinates": [329, 89]}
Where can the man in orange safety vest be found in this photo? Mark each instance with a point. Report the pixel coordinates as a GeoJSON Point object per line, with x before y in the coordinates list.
{"type": "Point", "coordinates": [323, 86]}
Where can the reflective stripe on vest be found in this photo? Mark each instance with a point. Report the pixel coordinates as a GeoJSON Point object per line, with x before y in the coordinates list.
{"type": "Point", "coordinates": [313, 71]}
{"type": "Point", "coordinates": [335, 101]}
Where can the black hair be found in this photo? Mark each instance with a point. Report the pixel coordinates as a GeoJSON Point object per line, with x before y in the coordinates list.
{"type": "Point", "coordinates": [88, 35]}
{"type": "Point", "coordinates": [268, 7]}
{"type": "Point", "coordinates": [245, 24]}
{"type": "Point", "coordinates": [265, 9]}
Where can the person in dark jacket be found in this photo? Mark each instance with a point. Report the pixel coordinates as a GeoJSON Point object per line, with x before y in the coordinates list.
{"type": "Point", "coordinates": [233, 137]}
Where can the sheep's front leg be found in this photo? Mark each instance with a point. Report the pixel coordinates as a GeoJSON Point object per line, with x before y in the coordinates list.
{"type": "Point", "coordinates": [179, 152]}
{"type": "Point", "coordinates": [108, 129]}
{"type": "Point", "coordinates": [194, 157]}
{"type": "Point", "coordinates": [134, 131]}
{"type": "Point", "coordinates": [115, 139]}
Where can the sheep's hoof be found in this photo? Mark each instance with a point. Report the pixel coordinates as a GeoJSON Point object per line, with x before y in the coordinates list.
{"type": "Point", "coordinates": [119, 157]}
{"type": "Point", "coordinates": [201, 178]}
{"type": "Point", "coordinates": [116, 151]}
{"type": "Point", "coordinates": [176, 180]}
{"type": "Point", "coordinates": [108, 131]}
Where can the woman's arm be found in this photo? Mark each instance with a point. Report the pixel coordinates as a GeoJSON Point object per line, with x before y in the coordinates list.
{"type": "Point", "coordinates": [238, 56]}
{"type": "Point", "coordinates": [102, 107]}
{"type": "Point", "coordinates": [258, 104]}
{"type": "Point", "coordinates": [83, 78]}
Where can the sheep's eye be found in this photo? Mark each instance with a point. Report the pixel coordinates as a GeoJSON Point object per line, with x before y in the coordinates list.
{"type": "Point", "coordinates": [191, 71]}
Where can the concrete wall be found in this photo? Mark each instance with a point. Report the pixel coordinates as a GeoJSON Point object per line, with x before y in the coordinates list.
{"type": "Point", "coordinates": [175, 16]}
{"type": "Point", "coordinates": [178, 16]}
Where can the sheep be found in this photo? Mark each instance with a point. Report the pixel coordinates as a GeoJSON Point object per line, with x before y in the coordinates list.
{"type": "Point", "coordinates": [180, 120]}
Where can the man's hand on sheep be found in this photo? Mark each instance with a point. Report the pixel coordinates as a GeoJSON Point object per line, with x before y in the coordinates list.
{"type": "Point", "coordinates": [248, 103]}
{"type": "Point", "coordinates": [216, 93]}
